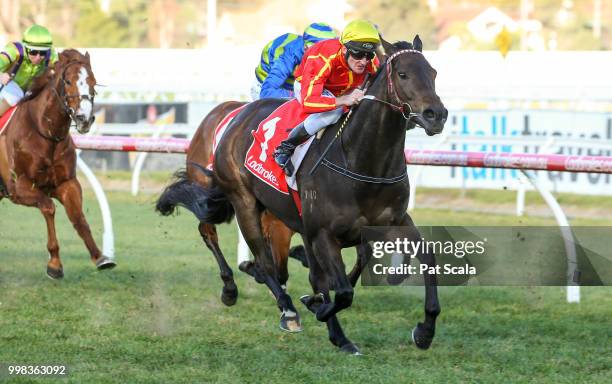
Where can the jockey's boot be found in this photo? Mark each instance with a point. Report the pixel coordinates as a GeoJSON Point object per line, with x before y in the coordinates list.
{"type": "Point", "coordinates": [282, 153]}
{"type": "Point", "coordinates": [4, 106]}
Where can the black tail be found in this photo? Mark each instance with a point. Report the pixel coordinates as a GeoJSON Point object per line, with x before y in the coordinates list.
{"type": "Point", "coordinates": [209, 205]}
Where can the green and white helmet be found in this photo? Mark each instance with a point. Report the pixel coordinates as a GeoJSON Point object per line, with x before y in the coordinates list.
{"type": "Point", "coordinates": [38, 38]}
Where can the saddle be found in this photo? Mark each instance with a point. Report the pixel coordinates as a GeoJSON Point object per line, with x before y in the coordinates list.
{"type": "Point", "coordinates": [270, 133]}
{"type": "Point", "coordinates": [6, 118]}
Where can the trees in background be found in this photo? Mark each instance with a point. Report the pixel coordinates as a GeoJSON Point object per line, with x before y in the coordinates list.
{"type": "Point", "coordinates": [182, 23]}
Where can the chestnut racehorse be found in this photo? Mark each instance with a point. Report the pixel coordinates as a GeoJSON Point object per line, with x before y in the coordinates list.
{"type": "Point", "coordinates": [37, 155]}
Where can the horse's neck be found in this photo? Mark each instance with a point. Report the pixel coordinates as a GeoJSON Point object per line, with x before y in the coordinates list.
{"type": "Point", "coordinates": [47, 111]}
{"type": "Point", "coordinates": [374, 136]}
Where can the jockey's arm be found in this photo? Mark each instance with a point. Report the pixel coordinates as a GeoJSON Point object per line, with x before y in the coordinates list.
{"type": "Point", "coordinates": [316, 71]}
{"type": "Point", "coordinates": [281, 70]}
{"type": "Point", "coordinates": [8, 56]}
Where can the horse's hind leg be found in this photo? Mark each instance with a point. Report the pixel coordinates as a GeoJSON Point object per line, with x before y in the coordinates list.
{"type": "Point", "coordinates": [278, 237]}
{"type": "Point", "coordinates": [230, 291]}
{"type": "Point", "coordinates": [249, 220]}
{"type": "Point", "coordinates": [70, 195]}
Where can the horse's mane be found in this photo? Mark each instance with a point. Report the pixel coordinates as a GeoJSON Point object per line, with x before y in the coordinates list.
{"type": "Point", "coordinates": [40, 82]}
{"type": "Point", "coordinates": [403, 45]}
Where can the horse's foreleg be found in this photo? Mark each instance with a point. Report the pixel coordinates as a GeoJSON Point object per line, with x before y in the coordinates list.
{"type": "Point", "coordinates": [249, 220]}
{"type": "Point", "coordinates": [362, 260]}
{"type": "Point", "coordinates": [22, 192]}
{"type": "Point", "coordinates": [320, 286]}
{"type": "Point", "coordinates": [230, 291]}
{"type": "Point", "coordinates": [423, 333]}
{"type": "Point", "coordinates": [327, 254]}
{"type": "Point", "coordinates": [70, 195]}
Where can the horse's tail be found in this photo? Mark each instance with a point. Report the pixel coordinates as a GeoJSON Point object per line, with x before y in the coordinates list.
{"type": "Point", "coordinates": [209, 205]}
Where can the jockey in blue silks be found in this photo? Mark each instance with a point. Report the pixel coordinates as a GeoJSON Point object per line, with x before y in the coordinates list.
{"type": "Point", "coordinates": [281, 56]}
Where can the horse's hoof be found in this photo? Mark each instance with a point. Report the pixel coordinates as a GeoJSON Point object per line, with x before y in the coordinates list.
{"type": "Point", "coordinates": [55, 274]}
{"type": "Point", "coordinates": [351, 348]}
{"type": "Point", "coordinates": [250, 268]}
{"type": "Point", "coordinates": [105, 263]}
{"type": "Point", "coordinates": [312, 302]}
{"type": "Point", "coordinates": [229, 295]}
{"type": "Point", "coordinates": [421, 337]}
{"type": "Point", "coordinates": [290, 322]}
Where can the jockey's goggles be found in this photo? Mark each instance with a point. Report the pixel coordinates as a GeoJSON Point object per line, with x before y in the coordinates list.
{"type": "Point", "coordinates": [358, 55]}
{"type": "Point", "coordinates": [36, 52]}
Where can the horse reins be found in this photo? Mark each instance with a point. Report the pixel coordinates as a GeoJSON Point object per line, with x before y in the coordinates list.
{"type": "Point", "coordinates": [403, 107]}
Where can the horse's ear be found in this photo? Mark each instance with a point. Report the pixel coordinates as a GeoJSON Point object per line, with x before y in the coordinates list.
{"type": "Point", "coordinates": [387, 47]}
{"type": "Point", "coordinates": [62, 57]}
{"type": "Point", "coordinates": [87, 56]}
{"type": "Point", "coordinates": [417, 43]}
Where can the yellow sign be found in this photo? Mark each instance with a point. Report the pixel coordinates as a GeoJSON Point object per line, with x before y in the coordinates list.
{"type": "Point", "coordinates": [503, 41]}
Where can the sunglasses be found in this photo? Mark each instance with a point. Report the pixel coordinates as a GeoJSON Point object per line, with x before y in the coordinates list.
{"type": "Point", "coordinates": [358, 55]}
{"type": "Point", "coordinates": [34, 52]}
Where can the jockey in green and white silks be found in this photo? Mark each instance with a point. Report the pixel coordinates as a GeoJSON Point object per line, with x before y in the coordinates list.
{"type": "Point", "coordinates": [20, 62]}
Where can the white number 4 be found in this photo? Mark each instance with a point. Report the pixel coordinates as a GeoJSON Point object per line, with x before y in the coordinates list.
{"type": "Point", "coordinates": [269, 128]}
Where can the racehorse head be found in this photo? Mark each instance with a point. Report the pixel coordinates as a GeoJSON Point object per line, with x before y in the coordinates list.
{"type": "Point", "coordinates": [77, 87]}
{"type": "Point", "coordinates": [411, 84]}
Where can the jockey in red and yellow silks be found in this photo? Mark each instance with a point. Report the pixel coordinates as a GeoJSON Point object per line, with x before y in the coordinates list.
{"type": "Point", "coordinates": [325, 67]}
{"type": "Point", "coordinates": [327, 80]}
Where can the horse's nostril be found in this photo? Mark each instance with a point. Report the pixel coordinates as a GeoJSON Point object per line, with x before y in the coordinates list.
{"type": "Point", "coordinates": [429, 114]}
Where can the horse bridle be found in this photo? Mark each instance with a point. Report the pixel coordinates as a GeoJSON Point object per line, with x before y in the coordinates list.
{"type": "Point", "coordinates": [63, 98]}
{"type": "Point", "coordinates": [402, 106]}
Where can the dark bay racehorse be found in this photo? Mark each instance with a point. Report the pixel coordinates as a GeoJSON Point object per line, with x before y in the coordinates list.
{"type": "Point", "coordinates": [37, 155]}
{"type": "Point", "coordinates": [186, 190]}
{"type": "Point", "coordinates": [189, 191]}
{"type": "Point", "coordinates": [361, 182]}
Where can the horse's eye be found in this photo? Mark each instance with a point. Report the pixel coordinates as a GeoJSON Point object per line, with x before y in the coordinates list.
{"type": "Point", "coordinates": [68, 82]}
{"type": "Point", "coordinates": [402, 75]}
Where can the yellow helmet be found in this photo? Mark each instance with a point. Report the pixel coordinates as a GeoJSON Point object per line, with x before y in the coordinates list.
{"type": "Point", "coordinates": [360, 35]}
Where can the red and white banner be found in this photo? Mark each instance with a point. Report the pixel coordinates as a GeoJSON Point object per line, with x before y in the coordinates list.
{"type": "Point", "coordinates": [131, 144]}
{"type": "Point", "coordinates": [588, 164]}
